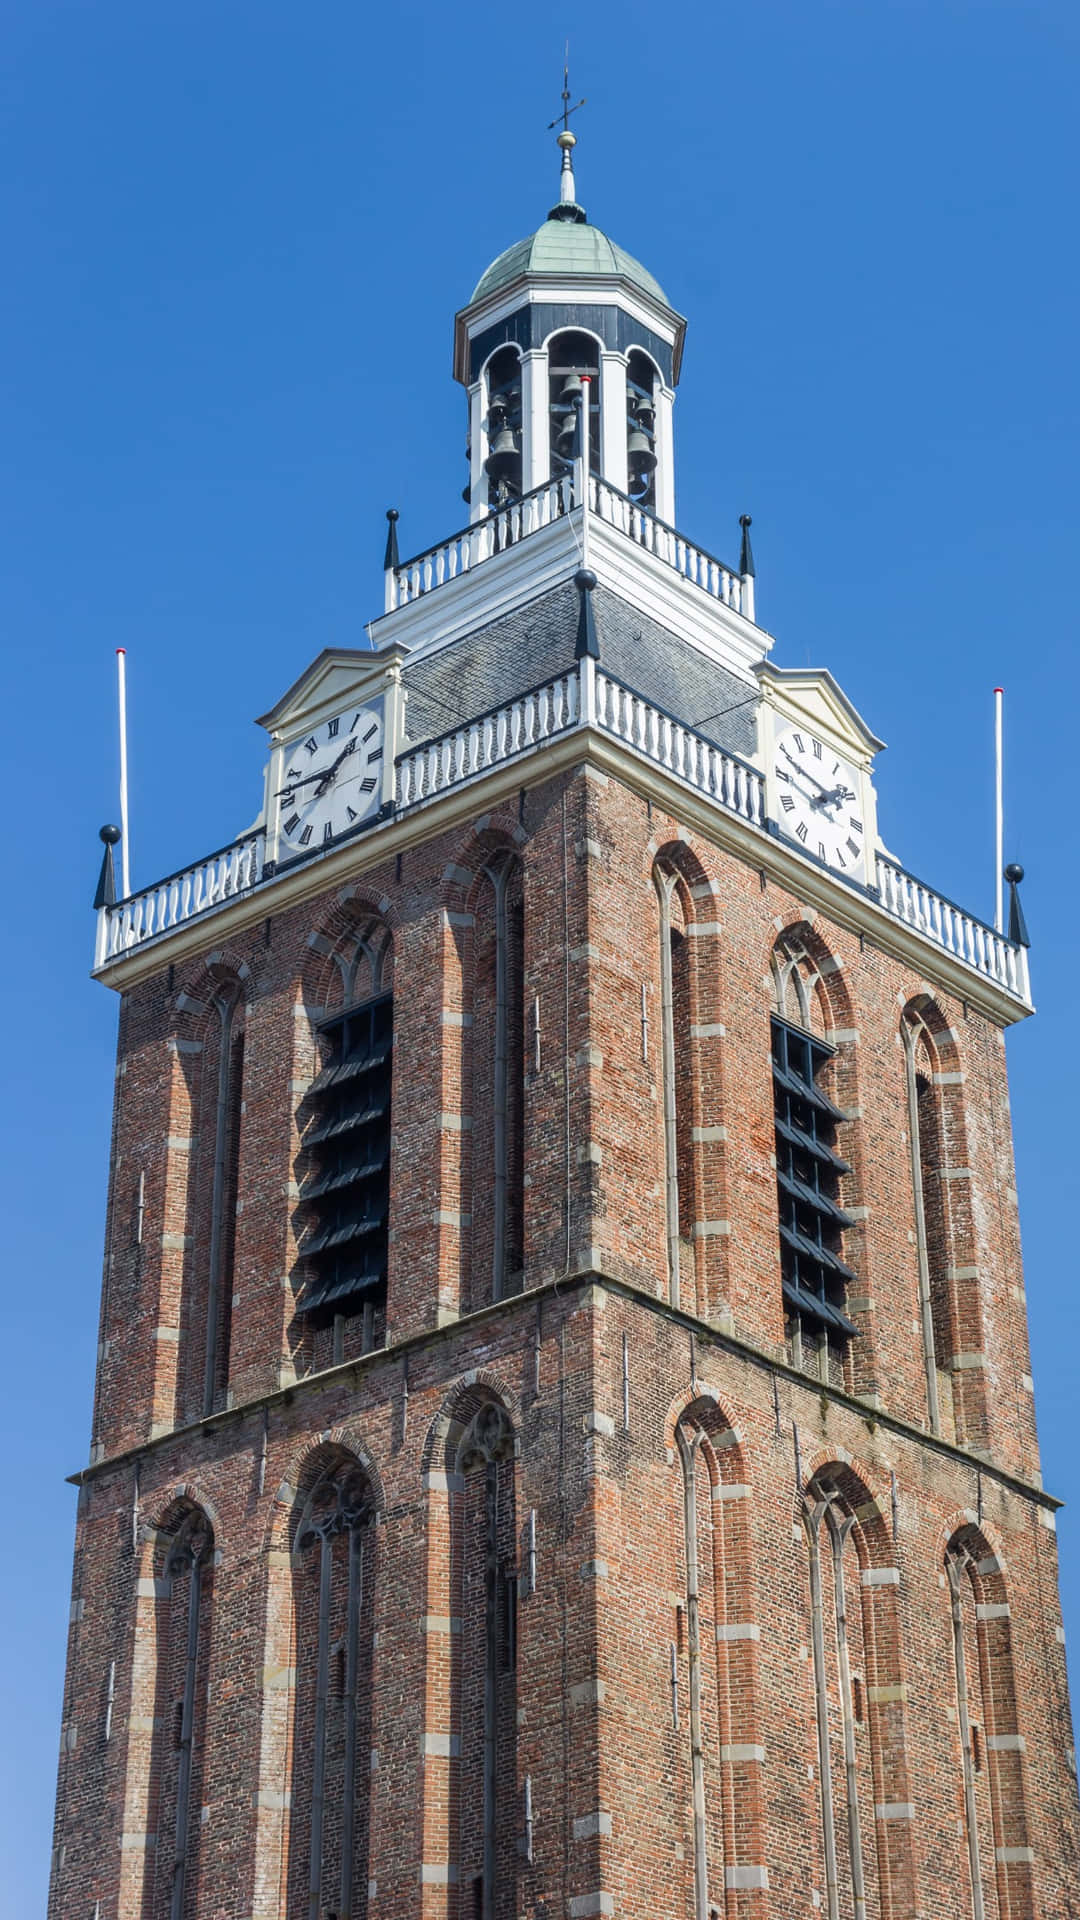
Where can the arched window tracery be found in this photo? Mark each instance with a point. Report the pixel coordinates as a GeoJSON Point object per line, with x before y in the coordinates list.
{"type": "Point", "coordinates": [677, 1075]}
{"type": "Point", "coordinates": [334, 1581]}
{"type": "Point", "coordinates": [927, 1149]}
{"type": "Point", "coordinates": [228, 1106]}
{"type": "Point", "coordinates": [184, 1562]}
{"type": "Point", "coordinates": [810, 1170]}
{"type": "Point", "coordinates": [484, 1580]}
{"type": "Point", "coordinates": [345, 1140]}
{"type": "Point", "coordinates": [497, 1062]}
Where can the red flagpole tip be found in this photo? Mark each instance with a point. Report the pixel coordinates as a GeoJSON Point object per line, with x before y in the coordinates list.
{"type": "Point", "coordinates": [999, 689]}
{"type": "Point", "coordinates": [121, 649]}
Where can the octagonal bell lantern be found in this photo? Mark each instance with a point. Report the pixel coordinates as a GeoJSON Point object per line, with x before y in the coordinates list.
{"type": "Point", "coordinates": [562, 313]}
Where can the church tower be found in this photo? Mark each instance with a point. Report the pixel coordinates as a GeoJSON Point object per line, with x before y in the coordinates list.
{"type": "Point", "coordinates": [564, 1439]}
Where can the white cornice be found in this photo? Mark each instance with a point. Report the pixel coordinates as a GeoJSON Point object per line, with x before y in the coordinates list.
{"type": "Point", "coordinates": [812, 886]}
{"type": "Point", "coordinates": [544, 289]}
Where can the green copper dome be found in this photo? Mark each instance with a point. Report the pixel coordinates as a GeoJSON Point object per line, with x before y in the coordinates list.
{"type": "Point", "coordinates": [566, 247]}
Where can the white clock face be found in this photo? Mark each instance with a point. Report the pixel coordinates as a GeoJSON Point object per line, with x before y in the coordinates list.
{"type": "Point", "coordinates": [333, 779]}
{"type": "Point", "coordinates": [818, 800]}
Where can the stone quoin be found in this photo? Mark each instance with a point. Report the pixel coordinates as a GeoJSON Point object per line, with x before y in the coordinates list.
{"type": "Point", "coordinates": [564, 1438]}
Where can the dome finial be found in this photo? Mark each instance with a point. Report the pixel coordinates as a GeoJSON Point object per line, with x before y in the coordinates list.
{"type": "Point", "coordinates": [567, 207]}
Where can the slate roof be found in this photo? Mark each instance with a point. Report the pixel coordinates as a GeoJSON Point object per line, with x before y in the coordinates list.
{"type": "Point", "coordinates": [519, 651]}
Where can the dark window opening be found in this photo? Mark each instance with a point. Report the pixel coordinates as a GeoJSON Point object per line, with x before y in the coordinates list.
{"type": "Point", "coordinates": [571, 358]}
{"type": "Point", "coordinates": [347, 1187]}
{"type": "Point", "coordinates": [641, 431]}
{"type": "Point", "coordinates": [808, 1169]}
{"type": "Point", "coordinates": [504, 428]}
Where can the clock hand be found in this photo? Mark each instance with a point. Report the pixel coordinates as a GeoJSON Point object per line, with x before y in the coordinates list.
{"type": "Point", "coordinates": [304, 781]}
{"type": "Point", "coordinates": [328, 776]}
{"type": "Point", "coordinates": [803, 771]}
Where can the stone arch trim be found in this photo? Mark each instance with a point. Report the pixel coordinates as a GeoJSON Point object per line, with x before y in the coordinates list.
{"type": "Point", "coordinates": [800, 933]}
{"type": "Point", "coordinates": [965, 1519]}
{"type": "Point", "coordinates": [177, 1500]}
{"type": "Point", "coordinates": [707, 1398]}
{"type": "Point", "coordinates": [852, 1480]}
{"type": "Point", "coordinates": [309, 1460]}
{"type": "Point", "coordinates": [332, 943]}
{"type": "Point", "coordinates": [499, 831]}
{"type": "Point", "coordinates": [460, 1404]}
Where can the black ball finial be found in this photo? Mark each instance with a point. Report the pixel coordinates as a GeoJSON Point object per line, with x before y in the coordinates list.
{"type": "Point", "coordinates": [109, 835]}
{"type": "Point", "coordinates": [585, 579]}
{"type": "Point", "coordinates": [586, 647]}
{"type": "Point", "coordinates": [1014, 873]}
{"type": "Point", "coordinates": [392, 513]}
{"type": "Point", "coordinates": [390, 557]}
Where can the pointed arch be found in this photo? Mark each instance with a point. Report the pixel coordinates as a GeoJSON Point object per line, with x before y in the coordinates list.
{"type": "Point", "coordinates": [688, 1053]}
{"type": "Point", "coordinates": [472, 1656]}
{"type": "Point", "coordinates": [345, 1124]}
{"type": "Point", "coordinates": [989, 1740]}
{"type": "Point", "coordinates": [859, 1744]}
{"type": "Point", "coordinates": [181, 1565]}
{"type": "Point", "coordinates": [813, 1083]}
{"type": "Point", "coordinates": [334, 1577]}
{"type": "Point", "coordinates": [715, 1654]}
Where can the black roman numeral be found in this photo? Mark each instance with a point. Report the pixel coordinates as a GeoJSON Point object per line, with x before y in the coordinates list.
{"type": "Point", "coordinates": [854, 848]}
{"type": "Point", "coordinates": [787, 803]}
{"type": "Point", "coordinates": [375, 754]}
{"type": "Point", "coordinates": [312, 745]}
{"type": "Point", "coordinates": [371, 732]}
{"type": "Point", "coordinates": [328, 831]}
{"type": "Point", "coordinates": [801, 830]}
{"type": "Point", "coordinates": [799, 742]}
{"type": "Point", "coordinates": [291, 825]}
{"type": "Point", "coordinates": [368, 785]}
{"type": "Point", "coordinates": [816, 744]}
{"type": "Point", "coordinates": [854, 822]}
{"type": "Point", "coordinates": [306, 836]}
{"type": "Point", "coordinates": [352, 813]}
{"type": "Point", "coordinates": [822, 855]}
{"type": "Point", "coordinates": [332, 727]}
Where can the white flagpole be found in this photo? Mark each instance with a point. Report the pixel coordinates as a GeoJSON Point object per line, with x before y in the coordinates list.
{"type": "Point", "coordinates": [121, 679]}
{"type": "Point", "coordinates": [999, 813]}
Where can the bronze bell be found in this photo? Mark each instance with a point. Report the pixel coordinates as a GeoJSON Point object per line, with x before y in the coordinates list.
{"type": "Point", "coordinates": [640, 457]}
{"type": "Point", "coordinates": [644, 411]}
{"type": "Point", "coordinates": [572, 390]}
{"type": "Point", "coordinates": [566, 435]}
{"type": "Point", "coordinates": [504, 460]}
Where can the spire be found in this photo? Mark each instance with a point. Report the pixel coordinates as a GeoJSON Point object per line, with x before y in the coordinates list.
{"type": "Point", "coordinates": [746, 555]}
{"type": "Point", "coordinates": [106, 886]}
{"type": "Point", "coordinates": [567, 207]}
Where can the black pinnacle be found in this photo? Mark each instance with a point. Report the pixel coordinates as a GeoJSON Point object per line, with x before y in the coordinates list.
{"type": "Point", "coordinates": [587, 647]}
{"type": "Point", "coordinates": [1018, 932]}
{"type": "Point", "coordinates": [746, 555]}
{"type": "Point", "coordinates": [391, 557]}
{"type": "Point", "coordinates": [106, 886]}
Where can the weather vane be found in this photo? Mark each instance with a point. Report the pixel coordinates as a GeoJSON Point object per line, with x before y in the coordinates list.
{"type": "Point", "coordinates": [567, 109]}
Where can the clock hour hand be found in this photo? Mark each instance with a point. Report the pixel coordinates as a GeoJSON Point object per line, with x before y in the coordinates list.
{"type": "Point", "coordinates": [804, 773]}
{"type": "Point", "coordinates": [304, 781]}
{"type": "Point", "coordinates": [330, 772]}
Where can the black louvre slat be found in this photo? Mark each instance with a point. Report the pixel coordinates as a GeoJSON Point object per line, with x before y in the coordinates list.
{"type": "Point", "coordinates": [321, 1294]}
{"type": "Point", "coordinates": [804, 1090]}
{"type": "Point", "coordinates": [342, 1233]}
{"type": "Point", "coordinates": [815, 1308]}
{"type": "Point", "coordinates": [809, 1197]}
{"type": "Point", "coordinates": [805, 1143]}
{"type": "Point", "coordinates": [331, 1129]}
{"type": "Point", "coordinates": [349, 1069]}
{"type": "Point", "coordinates": [808, 1249]}
{"type": "Point", "coordinates": [341, 1178]}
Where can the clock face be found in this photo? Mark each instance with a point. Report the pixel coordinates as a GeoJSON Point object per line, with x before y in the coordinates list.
{"type": "Point", "coordinates": [818, 798]}
{"type": "Point", "coordinates": [333, 779]}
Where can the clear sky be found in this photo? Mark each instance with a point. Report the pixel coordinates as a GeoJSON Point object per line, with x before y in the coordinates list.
{"type": "Point", "coordinates": [235, 237]}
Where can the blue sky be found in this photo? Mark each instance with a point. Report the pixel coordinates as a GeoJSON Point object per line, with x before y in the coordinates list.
{"type": "Point", "coordinates": [235, 238]}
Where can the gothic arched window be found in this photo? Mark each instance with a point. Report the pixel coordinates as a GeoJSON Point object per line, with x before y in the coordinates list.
{"type": "Point", "coordinates": [991, 1748]}
{"type": "Point", "coordinates": [809, 1169]}
{"type": "Point", "coordinates": [572, 358]}
{"type": "Point", "coordinates": [346, 1144]}
{"type": "Point", "coordinates": [926, 1141]}
{"type": "Point", "coordinates": [334, 1581]}
{"type": "Point", "coordinates": [497, 1053]}
{"type": "Point", "coordinates": [484, 1585]}
{"type": "Point", "coordinates": [184, 1570]}
{"type": "Point", "coordinates": [228, 1103]}
{"type": "Point", "coordinates": [676, 1020]}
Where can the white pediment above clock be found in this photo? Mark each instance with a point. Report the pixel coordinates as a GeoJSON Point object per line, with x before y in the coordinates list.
{"type": "Point", "coordinates": [335, 677]}
{"type": "Point", "coordinates": [810, 694]}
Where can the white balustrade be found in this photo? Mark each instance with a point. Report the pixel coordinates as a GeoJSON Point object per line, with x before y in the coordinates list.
{"type": "Point", "coordinates": [948, 926]}
{"type": "Point", "coordinates": [507, 527]}
{"type": "Point", "coordinates": [485, 742]}
{"type": "Point", "coordinates": [582, 697]}
{"type": "Point", "coordinates": [702, 569]}
{"type": "Point", "coordinates": [158, 909]}
{"type": "Point", "coordinates": [707, 768]}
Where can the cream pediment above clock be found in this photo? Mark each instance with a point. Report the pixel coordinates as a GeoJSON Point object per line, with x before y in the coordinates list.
{"type": "Point", "coordinates": [810, 694]}
{"type": "Point", "coordinates": [335, 677]}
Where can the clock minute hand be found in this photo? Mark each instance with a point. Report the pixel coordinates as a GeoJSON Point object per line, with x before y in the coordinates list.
{"type": "Point", "coordinates": [803, 771]}
{"type": "Point", "coordinates": [348, 748]}
{"type": "Point", "coordinates": [304, 781]}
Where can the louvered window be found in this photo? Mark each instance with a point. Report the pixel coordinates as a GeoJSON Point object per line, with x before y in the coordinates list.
{"type": "Point", "coordinates": [345, 1193]}
{"type": "Point", "coordinates": [808, 1170]}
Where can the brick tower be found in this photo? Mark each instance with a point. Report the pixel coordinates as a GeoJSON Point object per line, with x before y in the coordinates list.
{"type": "Point", "coordinates": [564, 1440]}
